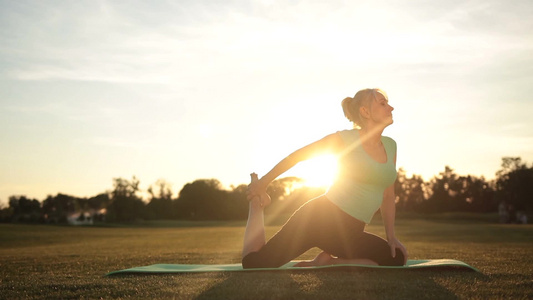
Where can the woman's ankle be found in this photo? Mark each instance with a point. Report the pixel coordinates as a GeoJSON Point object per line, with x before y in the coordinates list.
{"type": "Point", "coordinates": [255, 204]}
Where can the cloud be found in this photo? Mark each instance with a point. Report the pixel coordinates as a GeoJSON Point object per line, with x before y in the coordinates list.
{"type": "Point", "coordinates": [189, 42]}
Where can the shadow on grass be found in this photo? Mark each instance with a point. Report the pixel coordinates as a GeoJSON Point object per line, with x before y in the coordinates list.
{"type": "Point", "coordinates": [338, 284]}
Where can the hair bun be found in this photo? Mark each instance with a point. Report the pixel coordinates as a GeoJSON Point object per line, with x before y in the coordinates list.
{"type": "Point", "coordinates": [351, 105]}
{"type": "Point", "coordinates": [346, 103]}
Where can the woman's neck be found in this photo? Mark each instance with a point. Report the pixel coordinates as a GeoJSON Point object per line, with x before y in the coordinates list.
{"type": "Point", "coordinates": [371, 135]}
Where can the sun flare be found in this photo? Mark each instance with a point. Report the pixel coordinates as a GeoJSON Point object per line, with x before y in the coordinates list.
{"type": "Point", "coordinates": [318, 172]}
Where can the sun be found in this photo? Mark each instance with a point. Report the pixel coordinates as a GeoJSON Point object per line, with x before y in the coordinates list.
{"type": "Point", "coordinates": [317, 172]}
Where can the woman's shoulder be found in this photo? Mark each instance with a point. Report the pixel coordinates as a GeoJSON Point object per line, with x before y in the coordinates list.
{"type": "Point", "coordinates": [348, 135]}
{"type": "Point", "coordinates": [388, 141]}
{"type": "Point", "coordinates": [345, 131]}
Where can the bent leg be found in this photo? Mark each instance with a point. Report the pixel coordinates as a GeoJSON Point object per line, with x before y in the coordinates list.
{"type": "Point", "coordinates": [367, 248]}
{"type": "Point", "coordinates": [344, 238]}
{"type": "Point", "coordinates": [293, 239]}
{"type": "Point", "coordinates": [320, 223]}
{"type": "Point", "coordinates": [254, 235]}
{"type": "Point", "coordinates": [378, 250]}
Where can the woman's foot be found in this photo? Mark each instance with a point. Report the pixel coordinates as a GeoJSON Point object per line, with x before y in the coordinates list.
{"type": "Point", "coordinates": [264, 199]}
{"type": "Point", "coordinates": [321, 259]}
{"type": "Point", "coordinates": [325, 259]}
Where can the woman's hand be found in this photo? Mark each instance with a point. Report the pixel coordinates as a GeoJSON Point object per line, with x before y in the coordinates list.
{"type": "Point", "coordinates": [256, 189]}
{"type": "Point", "coordinates": [394, 244]}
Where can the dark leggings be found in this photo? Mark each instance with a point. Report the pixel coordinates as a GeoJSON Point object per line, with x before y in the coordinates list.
{"type": "Point", "coordinates": [320, 223]}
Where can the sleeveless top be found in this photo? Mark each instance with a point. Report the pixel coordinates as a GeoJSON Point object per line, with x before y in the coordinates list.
{"type": "Point", "coordinates": [361, 181]}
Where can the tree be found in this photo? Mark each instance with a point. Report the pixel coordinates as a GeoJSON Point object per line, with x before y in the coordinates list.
{"type": "Point", "coordinates": [160, 205]}
{"type": "Point", "coordinates": [25, 209]}
{"type": "Point", "coordinates": [125, 188]}
{"type": "Point", "coordinates": [202, 200]}
{"type": "Point", "coordinates": [444, 193]}
{"type": "Point", "coordinates": [56, 209]}
{"type": "Point", "coordinates": [126, 205]}
{"type": "Point", "coordinates": [6, 213]}
{"type": "Point", "coordinates": [161, 190]}
{"type": "Point", "coordinates": [98, 204]}
{"type": "Point", "coordinates": [237, 203]}
{"type": "Point", "coordinates": [514, 183]}
{"type": "Point", "coordinates": [205, 199]}
{"type": "Point", "coordinates": [410, 192]}
{"type": "Point", "coordinates": [476, 194]}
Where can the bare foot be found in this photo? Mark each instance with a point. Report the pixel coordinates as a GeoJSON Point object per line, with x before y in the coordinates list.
{"type": "Point", "coordinates": [321, 259]}
{"type": "Point", "coordinates": [325, 259]}
{"type": "Point", "coordinates": [264, 199]}
{"type": "Point", "coordinates": [352, 261]}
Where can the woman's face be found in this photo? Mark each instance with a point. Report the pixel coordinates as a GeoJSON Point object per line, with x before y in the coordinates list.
{"type": "Point", "coordinates": [381, 111]}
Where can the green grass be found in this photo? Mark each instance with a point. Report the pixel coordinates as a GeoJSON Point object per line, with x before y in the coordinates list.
{"type": "Point", "coordinates": [54, 262]}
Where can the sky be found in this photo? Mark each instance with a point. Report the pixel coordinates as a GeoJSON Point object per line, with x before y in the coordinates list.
{"type": "Point", "coordinates": [186, 90]}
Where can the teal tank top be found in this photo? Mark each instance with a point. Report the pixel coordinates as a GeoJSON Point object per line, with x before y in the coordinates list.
{"type": "Point", "coordinates": [361, 181]}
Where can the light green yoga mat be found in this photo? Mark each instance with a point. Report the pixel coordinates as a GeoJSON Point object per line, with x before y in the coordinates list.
{"type": "Point", "coordinates": [174, 268]}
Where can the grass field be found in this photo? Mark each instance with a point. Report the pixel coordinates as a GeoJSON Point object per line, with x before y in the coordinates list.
{"type": "Point", "coordinates": [53, 262]}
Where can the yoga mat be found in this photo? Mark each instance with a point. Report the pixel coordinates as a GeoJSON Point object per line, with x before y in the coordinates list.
{"type": "Point", "coordinates": [176, 268]}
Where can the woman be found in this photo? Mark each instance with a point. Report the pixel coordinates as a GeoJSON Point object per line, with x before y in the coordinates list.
{"type": "Point", "coordinates": [335, 221]}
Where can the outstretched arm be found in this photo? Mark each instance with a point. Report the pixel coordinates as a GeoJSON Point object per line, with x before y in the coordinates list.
{"type": "Point", "coordinates": [330, 144]}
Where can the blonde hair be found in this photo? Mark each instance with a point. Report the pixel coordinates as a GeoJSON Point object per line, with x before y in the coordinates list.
{"type": "Point", "coordinates": [352, 105]}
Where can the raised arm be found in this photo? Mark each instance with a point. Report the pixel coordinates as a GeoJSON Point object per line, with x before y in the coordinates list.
{"type": "Point", "coordinates": [330, 144]}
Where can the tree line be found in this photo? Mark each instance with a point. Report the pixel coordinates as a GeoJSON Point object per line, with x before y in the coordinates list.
{"type": "Point", "coordinates": [206, 199]}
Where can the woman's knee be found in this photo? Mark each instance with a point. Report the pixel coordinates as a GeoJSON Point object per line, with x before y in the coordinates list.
{"type": "Point", "coordinates": [248, 262]}
{"type": "Point", "coordinates": [397, 260]}
{"type": "Point", "coordinates": [254, 260]}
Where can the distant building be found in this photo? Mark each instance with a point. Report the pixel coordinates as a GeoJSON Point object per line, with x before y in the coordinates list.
{"type": "Point", "coordinates": [86, 217]}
